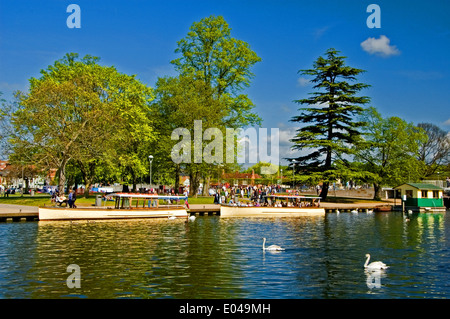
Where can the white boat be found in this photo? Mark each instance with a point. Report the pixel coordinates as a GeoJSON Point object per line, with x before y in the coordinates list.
{"type": "Point", "coordinates": [277, 206]}
{"type": "Point", "coordinates": [126, 206]}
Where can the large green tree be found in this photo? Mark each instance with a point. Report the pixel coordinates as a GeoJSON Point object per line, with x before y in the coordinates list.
{"type": "Point", "coordinates": [389, 150]}
{"type": "Point", "coordinates": [214, 68]}
{"type": "Point", "coordinates": [210, 54]}
{"type": "Point", "coordinates": [78, 110]}
{"type": "Point", "coordinates": [330, 128]}
{"type": "Point", "coordinates": [180, 101]}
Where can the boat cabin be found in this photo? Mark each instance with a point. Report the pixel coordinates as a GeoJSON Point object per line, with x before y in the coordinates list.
{"type": "Point", "coordinates": [136, 200]}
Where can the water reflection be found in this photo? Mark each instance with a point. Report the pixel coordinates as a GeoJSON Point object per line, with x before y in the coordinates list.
{"type": "Point", "coordinates": [374, 278]}
{"type": "Point", "coordinates": [223, 258]}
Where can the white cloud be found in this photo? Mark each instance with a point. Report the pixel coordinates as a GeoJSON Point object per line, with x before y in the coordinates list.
{"type": "Point", "coordinates": [319, 32]}
{"type": "Point", "coordinates": [447, 122]}
{"type": "Point", "coordinates": [302, 82]}
{"type": "Point", "coordinates": [380, 46]}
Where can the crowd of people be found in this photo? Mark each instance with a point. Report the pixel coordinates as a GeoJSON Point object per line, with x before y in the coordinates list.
{"type": "Point", "coordinates": [256, 196]}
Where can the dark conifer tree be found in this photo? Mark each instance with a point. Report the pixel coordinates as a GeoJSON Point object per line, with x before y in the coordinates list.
{"type": "Point", "coordinates": [331, 128]}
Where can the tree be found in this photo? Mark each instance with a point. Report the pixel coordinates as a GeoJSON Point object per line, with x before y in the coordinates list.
{"type": "Point", "coordinates": [77, 110]}
{"type": "Point", "coordinates": [389, 150]}
{"type": "Point", "coordinates": [330, 129]}
{"type": "Point", "coordinates": [435, 152]}
{"type": "Point", "coordinates": [219, 67]}
{"type": "Point", "coordinates": [180, 101]}
{"type": "Point", "coordinates": [210, 54]}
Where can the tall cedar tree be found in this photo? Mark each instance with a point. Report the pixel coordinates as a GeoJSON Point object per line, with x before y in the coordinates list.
{"type": "Point", "coordinates": [330, 128]}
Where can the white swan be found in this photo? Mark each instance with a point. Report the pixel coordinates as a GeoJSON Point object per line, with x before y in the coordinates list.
{"type": "Point", "coordinates": [271, 247]}
{"type": "Point", "coordinates": [337, 211]}
{"type": "Point", "coordinates": [191, 218]}
{"type": "Point", "coordinates": [355, 211]}
{"type": "Point", "coordinates": [369, 211]}
{"type": "Point", "coordinates": [376, 265]}
{"type": "Point", "coordinates": [172, 217]}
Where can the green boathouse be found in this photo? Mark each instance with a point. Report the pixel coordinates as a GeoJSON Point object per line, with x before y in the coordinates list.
{"type": "Point", "coordinates": [422, 197]}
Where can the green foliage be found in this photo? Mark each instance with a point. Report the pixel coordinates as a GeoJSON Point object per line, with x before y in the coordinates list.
{"type": "Point", "coordinates": [389, 149]}
{"type": "Point", "coordinates": [79, 110]}
{"type": "Point", "coordinates": [331, 128]}
{"type": "Point", "coordinates": [210, 54]}
{"type": "Point", "coordinates": [213, 70]}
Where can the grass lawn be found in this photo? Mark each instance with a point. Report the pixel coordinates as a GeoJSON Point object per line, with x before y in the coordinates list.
{"type": "Point", "coordinates": [40, 200]}
{"type": "Point", "coordinates": [44, 199]}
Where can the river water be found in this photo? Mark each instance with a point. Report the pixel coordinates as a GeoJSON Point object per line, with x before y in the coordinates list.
{"type": "Point", "coordinates": [215, 257]}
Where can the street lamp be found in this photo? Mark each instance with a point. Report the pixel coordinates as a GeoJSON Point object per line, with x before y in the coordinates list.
{"type": "Point", "coordinates": [281, 176]}
{"type": "Point", "coordinates": [150, 158]}
{"type": "Point", "coordinates": [293, 173]}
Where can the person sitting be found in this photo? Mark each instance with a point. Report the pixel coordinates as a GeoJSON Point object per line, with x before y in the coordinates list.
{"type": "Point", "coordinates": [61, 200]}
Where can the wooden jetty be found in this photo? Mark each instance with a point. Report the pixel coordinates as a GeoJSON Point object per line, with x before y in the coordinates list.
{"type": "Point", "coordinates": [202, 210]}
{"type": "Point", "coordinates": [20, 216]}
{"type": "Point", "coordinates": [17, 213]}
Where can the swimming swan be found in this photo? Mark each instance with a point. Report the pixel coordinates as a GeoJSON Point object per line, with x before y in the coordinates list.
{"type": "Point", "coordinates": [376, 265]}
{"type": "Point", "coordinates": [355, 211]}
{"type": "Point", "coordinates": [271, 247]}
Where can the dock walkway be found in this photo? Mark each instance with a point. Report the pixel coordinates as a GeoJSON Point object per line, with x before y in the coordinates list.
{"type": "Point", "coordinates": [30, 213]}
{"type": "Point", "coordinates": [18, 212]}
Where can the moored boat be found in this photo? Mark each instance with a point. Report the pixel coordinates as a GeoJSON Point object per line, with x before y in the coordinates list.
{"type": "Point", "coordinates": [275, 206]}
{"type": "Point", "coordinates": [126, 206]}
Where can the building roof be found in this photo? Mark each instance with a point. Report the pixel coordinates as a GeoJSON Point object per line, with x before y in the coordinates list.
{"type": "Point", "coordinates": [422, 186]}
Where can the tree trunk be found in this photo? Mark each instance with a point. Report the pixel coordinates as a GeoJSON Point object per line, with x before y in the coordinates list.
{"type": "Point", "coordinates": [88, 172]}
{"type": "Point", "coordinates": [324, 192]}
{"type": "Point", "coordinates": [62, 176]}
{"type": "Point", "coordinates": [194, 182]}
{"type": "Point", "coordinates": [377, 191]}
{"type": "Point", "coordinates": [87, 184]}
{"type": "Point", "coordinates": [206, 182]}
{"type": "Point", "coordinates": [177, 178]}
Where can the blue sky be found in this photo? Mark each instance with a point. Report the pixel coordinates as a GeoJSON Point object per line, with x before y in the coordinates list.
{"type": "Point", "coordinates": [410, 80]}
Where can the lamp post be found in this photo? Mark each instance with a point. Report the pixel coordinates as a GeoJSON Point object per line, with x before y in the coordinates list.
{"type": "Point", "coordinates": [281, 176]}
{"type": "Point", "coordinates": [150, 158]}
{"type": "Point", "coordinates": [293, 173]}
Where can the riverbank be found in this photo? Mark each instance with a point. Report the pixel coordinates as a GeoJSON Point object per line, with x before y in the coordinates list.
{"type": "Point", "coordinates": [27, 206]}
{"type": "Point", "coordinates": [342, 199]}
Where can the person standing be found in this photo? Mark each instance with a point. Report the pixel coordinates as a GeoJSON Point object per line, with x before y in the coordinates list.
{"type": "Point", "coordinates": [70, 201]}
{"type": "Point", "coordinates": [74, 198]}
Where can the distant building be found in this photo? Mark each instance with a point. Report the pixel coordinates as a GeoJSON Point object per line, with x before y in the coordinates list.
{"type": "Point", "coordinates": [422, 197]}
{"type": "Point", "coordinates": [11, 175]}
{"type": "Point", "coordinates": [237, 179]}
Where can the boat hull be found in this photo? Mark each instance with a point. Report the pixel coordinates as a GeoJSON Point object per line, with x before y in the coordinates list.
{"type": "Point", "coordinates": [243, 211]}
{"type": "Point", "coordinates": [56, 213]}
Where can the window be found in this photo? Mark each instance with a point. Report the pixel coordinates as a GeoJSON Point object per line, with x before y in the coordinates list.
{"type": "Point", "coordinates": [435, 194]}
{"type": "Point", "coordinates": [424, 194]}
{"type": "Point", "coordinates": [409, 193]}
